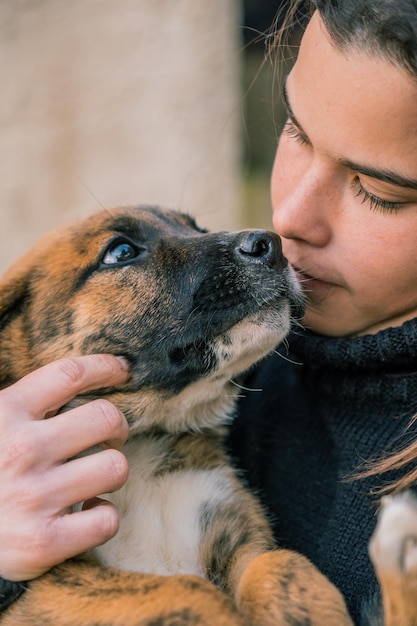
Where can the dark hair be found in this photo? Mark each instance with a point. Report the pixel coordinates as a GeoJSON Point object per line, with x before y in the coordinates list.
{"type": "Point", "coordinates": [387, 28]}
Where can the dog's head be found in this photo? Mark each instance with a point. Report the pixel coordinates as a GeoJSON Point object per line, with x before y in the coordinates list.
{"type": "Point", "coordinates": [190, 310]}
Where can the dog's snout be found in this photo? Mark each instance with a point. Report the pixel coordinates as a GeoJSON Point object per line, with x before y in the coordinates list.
{"type": "Point", "coordinates": [261, 246]}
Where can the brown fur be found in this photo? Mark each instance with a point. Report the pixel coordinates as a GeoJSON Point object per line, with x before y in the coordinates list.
{"type": "Point", "coordinates": [190, 311]}
{"type": "Point", "coordinates": [82, 594]}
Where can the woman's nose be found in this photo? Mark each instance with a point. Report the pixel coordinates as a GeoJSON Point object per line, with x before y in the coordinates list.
{"type": "Point", "coordinates": [304, 205]}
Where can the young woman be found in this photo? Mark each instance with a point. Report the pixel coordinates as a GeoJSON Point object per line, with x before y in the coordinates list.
{"type": "Point", "coordinates": [344, 200]}
{"type": "Point", "coordinates": [344, 196]}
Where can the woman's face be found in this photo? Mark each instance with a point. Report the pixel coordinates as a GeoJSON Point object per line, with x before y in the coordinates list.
{"type": "Point", "coordinates": [344, 187]}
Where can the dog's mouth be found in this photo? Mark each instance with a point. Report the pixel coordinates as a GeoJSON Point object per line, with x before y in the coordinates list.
{"type": "Point", "coordinates": [226, 322]}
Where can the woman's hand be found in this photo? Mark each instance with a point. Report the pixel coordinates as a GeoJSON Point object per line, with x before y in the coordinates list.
{"type": "Point", "coordinates": [38, 485]}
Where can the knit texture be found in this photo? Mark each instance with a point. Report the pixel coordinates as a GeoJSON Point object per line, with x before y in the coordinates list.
{"type": "Point", "coordinates": [327, 405]}
{"type": "Point", "coordinates": [9, 592]}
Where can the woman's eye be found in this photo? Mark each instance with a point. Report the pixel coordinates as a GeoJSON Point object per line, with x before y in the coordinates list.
{"type": "Point", "coordinates": [120, 252]}
{"type": "Point", "coordinates": [375, 202]}
{"type": "Point", "coordinates": [291, 130]}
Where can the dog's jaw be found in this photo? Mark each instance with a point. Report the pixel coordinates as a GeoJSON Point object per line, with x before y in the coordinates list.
{"type": "Point", "coordinates": [209, 401]}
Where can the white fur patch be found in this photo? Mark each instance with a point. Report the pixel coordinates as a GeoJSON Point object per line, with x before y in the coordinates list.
{"type": "Point", "coordinates": [393, 546]}
{"type": "Point", "coordinates": [160, 516]}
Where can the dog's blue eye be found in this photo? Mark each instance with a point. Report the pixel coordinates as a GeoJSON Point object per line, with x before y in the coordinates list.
{"type": "Point", "coordinates": [121, 252]}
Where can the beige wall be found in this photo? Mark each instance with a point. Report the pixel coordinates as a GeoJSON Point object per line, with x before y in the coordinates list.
{"type": "Point", "coordinates": [111, 102]}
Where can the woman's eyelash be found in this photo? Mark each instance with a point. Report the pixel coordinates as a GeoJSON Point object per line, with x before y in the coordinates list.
{"type": "Point", "coordinates": [291, 130]}
{"type": "Point", "coordinates": [375, 203]}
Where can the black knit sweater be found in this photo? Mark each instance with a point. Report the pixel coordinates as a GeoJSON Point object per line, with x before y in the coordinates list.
{"type": "Point", "coordinates": [326, 407]}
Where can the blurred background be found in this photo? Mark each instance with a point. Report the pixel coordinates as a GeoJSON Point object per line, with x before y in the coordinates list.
{"type": "Point", "coordinates": [109, 103]}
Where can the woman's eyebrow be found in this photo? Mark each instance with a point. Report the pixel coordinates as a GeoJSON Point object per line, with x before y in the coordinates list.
{"type": "Point", "coordinates": [387, 176]}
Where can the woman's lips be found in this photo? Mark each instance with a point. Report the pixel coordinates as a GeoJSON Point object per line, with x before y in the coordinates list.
{"type": "Point", "coordinates": [312, 285]}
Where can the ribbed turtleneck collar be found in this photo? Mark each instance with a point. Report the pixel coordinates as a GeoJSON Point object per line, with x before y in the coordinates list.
{"type": "Point", "coordinates": [391, 351]}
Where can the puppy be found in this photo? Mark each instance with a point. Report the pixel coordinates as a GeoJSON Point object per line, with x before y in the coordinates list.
{"type": "Point", "coordinates": [191, 311]}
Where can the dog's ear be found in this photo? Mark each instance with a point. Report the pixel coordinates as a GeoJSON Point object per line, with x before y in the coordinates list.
{"type": "Point", "coordinates": [16, 282]}
{"type": "Point", "coordinates": [14, 295]}
{"type": "Point", "coordinates": [14, 290]}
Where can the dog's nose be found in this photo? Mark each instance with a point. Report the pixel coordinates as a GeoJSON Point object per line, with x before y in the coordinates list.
{"type": "Point", "coordinates": [261, 246]}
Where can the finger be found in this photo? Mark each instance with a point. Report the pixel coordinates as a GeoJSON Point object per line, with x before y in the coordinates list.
{"type": "Point", "coordinates": [85, 478]}
{"type": "Point", "coordinates": [88, 528]}
{"type": "Point", "coordinates": [69, 535]}
{"type": "Point", "coordinates": [53, 385]}
{"type": "Point", "coordinates": [70, 433]}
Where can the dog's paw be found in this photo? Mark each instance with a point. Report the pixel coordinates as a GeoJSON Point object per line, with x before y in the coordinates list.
{"type": "Point", "coordinates": [393, 551]}
{"type": "Point", "coordinates": [393, 547]}
{"type": "Point", "coordinates": [283, 587]}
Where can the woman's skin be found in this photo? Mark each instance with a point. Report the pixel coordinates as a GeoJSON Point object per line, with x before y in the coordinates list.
{"type": "Point", "coordinates": [344, 186]}
{"type": "Point", "coordinates": [38, 485]}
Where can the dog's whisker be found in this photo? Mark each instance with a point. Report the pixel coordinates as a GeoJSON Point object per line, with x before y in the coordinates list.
{"type": "Point", "coordinates": [285, 358]}
{"type": "Point", "coordinates": [92, 194]}
{"type": "Point", "coordinates": [233, 382]}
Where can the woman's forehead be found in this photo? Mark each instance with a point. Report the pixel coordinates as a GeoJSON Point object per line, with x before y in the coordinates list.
{"type": "Point", "coordinates": [354, 103]}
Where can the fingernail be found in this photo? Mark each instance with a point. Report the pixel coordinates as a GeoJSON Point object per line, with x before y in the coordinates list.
{"type": "Point", "coordinates": [123, 362]}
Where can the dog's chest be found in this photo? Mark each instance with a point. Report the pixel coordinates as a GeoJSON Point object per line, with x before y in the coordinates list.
{"type": "Point", "coordinates": [161, 513]}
